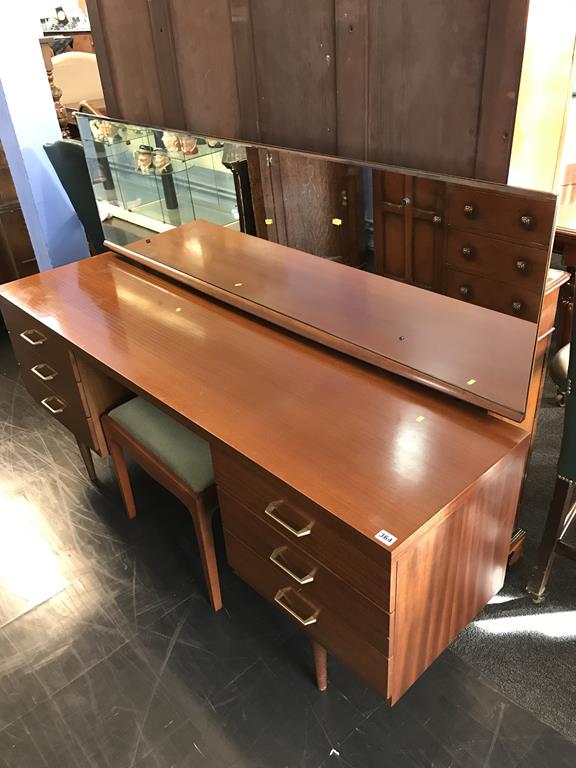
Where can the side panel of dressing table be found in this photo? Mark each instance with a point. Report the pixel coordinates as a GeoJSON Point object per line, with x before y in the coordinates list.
{"type": "Point", "coordinates": [322, 442]}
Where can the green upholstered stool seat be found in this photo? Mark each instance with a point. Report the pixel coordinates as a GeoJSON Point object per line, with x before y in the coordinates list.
{"type": "Point", "coordinates": [186, 454]}
{"type": "Point", "coordinates": [559, 366]}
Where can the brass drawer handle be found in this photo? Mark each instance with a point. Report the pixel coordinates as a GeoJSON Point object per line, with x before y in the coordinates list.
{"type": "Point", "coordinates": [465, 291]}
{"type": "Point", "coordinates": [521, 265]}
{"type": "Point", "coordinates": [36, 370]}
{"type": "Point", "coordinates": [467, 251]}
{"type": "Point", "coordinates": [469, 211]}
{"type": "Point", "coordinates": [40, 338]}
{"type": "Point", "coordinates": [271, 509]}
{"type": "Point", "coordinates": [300, 579]}
{"type": "Point", "coordinates": [46, 404]}
{"type": "Point", "coordinates": [305, 622]}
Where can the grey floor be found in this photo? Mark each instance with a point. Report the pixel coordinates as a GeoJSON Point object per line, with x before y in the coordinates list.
{"type": "Point", "coordinates": [110, 655]}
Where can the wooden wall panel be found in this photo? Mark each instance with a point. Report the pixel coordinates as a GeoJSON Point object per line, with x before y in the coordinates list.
{"type": "Point", "coordinates": [204, 57]}
{"type": "Point", "coordinates": [422, 84]}
{"type": "Point", "coordinates": [426, 64]}
{"type": "Point", "coordinates": [502, 71]}
{"type": "Point", "coordinates": [296, 73]}
{"type": "Point", "coordinates": [124, 43]}
{"type": "Point", "coordinates": [352, 76]}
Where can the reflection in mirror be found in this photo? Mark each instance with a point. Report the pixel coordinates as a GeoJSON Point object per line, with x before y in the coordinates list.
{"type": "Point", "coordinates": [484, 244]}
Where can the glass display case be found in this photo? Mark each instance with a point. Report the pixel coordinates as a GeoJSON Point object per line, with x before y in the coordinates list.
{"type": "Point", "coordinates": [151, 180]}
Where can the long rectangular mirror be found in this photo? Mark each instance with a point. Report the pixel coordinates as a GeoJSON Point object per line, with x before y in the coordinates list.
{"type": "Point", "coordinates": [482, 250]}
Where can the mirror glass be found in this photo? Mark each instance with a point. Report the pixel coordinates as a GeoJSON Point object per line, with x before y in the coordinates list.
{"type": "Point", "coordinates": [478, 246]}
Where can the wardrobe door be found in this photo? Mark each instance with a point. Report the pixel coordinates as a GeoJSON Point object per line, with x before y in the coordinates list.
{"type": "Point", "coordinates": [409, 228]}
{"type": "Point", "coordinates": [308, 203]}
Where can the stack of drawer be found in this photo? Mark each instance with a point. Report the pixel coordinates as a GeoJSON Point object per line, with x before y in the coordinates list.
{"type": "Point", "coordinates": [49, 372]}
{"type": "Point", "coordinates": [327, 577]}
{"type": "Point", "coordinates": [497, 249]}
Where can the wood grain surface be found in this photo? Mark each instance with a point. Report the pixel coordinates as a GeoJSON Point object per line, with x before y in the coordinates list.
{"type": "Point", "coordinates": [475, 352]}
{"type": "Point", "coordinates": [306, 415]}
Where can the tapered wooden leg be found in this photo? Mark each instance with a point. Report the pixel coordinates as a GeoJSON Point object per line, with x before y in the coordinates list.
{"type": "Point", "coordinates": [560, 508]}
{"type": "Point", "coordinates": [321, 665]}
{"type": "Point", "coordinates": [119, 461]}
{"type": "Point", "coordinates": [203, 527]}
{"type": "Point", "coordinates": [88, 460]}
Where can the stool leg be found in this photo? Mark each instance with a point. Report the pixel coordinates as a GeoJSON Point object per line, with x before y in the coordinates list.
{"type": "Point", "coordinates": [88, 460]}
{"type": "Point", "coordinates": [560, 507]}
{"type": "Point", "coordinates": [203, 527]}
{"type": "Point", "coordinates": [321, 665]}
{"type": "Point", "coordinates": [119, 461]}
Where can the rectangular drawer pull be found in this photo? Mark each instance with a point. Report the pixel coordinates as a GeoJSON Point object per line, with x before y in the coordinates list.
{"type": "Point", "coordinates": [300, 579]}
{"type": "Point", "coordinates": [272, 508]}
{"type": "Point", "coordinates": [305, 622]}
{"type": "Point", "coordinates": [57, 401]}
{"type": "Point", "coordinates": [49, 373]}
{"type": "Point", "coordinates": [34, 337]}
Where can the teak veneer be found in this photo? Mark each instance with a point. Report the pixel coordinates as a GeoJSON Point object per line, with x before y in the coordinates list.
{"type": "Point", "coordinates": [401, 328]}
{"type": "Point", "coordinates": [303, 439]}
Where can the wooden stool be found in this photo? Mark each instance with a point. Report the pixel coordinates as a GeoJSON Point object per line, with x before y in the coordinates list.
{"type": "Point", "coordinates": [175, 457]}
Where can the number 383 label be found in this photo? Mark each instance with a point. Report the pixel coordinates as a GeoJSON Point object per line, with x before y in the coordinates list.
{"type": "Point", "coordinates": [386, 538]}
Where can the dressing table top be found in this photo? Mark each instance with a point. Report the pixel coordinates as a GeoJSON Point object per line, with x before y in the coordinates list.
{"type": "Point", "coordinates": [375, 449]}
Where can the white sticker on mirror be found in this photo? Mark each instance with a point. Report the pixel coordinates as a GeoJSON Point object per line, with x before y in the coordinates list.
{"type": "Point", "coordinates": [386, 538]}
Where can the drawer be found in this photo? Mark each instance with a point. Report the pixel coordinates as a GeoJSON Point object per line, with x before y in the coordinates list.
{"type": "Point", "coordinates": [336, 636]}
{"type": "Point", "coordinates": [299, 570]}
{"type": "Point", "coordinates": [509, 299]}
{"type": "Point", "coordinates": [520, 217]}
{"type": "Point", "coordinates": [510, 263]}
{"type": "Point", "coordinates": [33, 342]}
{"type": "Point", "coordinates": [69, 413]}
{"type": "Point", "coordinates": [357, 560]}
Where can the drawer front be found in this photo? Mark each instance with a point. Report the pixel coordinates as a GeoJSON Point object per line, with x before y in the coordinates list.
{"type": "Point", "coordinates": [355, 559]}
{"type": "Point", "coordinates": [300, 571]}
{"type": "Point", "coordinates": [70, 413]}
{"type": "Point", "coordinates": [509, 299]}
{"type": "Point", "coordinates": [515, 216]}
{"type": "Point", "coordinates": [517, 265]}
{"type": "Point", "coordinates": [321, 624]}
{"type": "Point", "coordinates": [33, 343]}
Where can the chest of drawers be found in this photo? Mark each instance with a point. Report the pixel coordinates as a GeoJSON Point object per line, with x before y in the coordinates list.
{"type": "Point", "coordinates": [387, 613]}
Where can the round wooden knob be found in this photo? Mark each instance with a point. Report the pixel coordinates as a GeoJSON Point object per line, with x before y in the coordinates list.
{"type": "Point", "coordinates": [469, 211]}
{"type": "Point", "coordinates": [517, 307]}
{"type": "Point", "coordinates": [465, 291]}
{"type": "Point", "coordinates": [527, 221]}
{"type": "Point", "coordinates": [467, 252]}
{"type": "Point", "coordinates": [437, 219]}
{"type": "Point", "coordinates": [522, 265]}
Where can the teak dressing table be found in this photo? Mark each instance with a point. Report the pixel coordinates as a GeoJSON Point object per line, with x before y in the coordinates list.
{"type": "Point", "coordinates": [375, 511]}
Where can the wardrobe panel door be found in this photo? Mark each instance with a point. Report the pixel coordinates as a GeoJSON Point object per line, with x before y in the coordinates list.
{"type": "Point", "coordinates": [123, 39]}
{"type": "Point", "coordinates": [426, 66]}
{"type": "Point", "coordinates": [295, 71]}
{"type": "Point", "coordinates": [204, 59]}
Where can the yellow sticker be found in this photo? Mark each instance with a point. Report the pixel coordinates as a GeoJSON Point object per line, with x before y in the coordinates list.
{"type": "Point", "coordinates": [420, 418]}
{"type": "Point", "coordinates": [237, 285]}
{"type": "Point", "coordinates": [337, 222]}
{"type": "Point", "coordinates": [470, 382]}
{"type": "Point", "coordinates": [268, 222]}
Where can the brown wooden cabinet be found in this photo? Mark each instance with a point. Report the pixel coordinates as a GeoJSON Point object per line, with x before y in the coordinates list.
{"type": "Point", "coordinates": [490, 247]}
